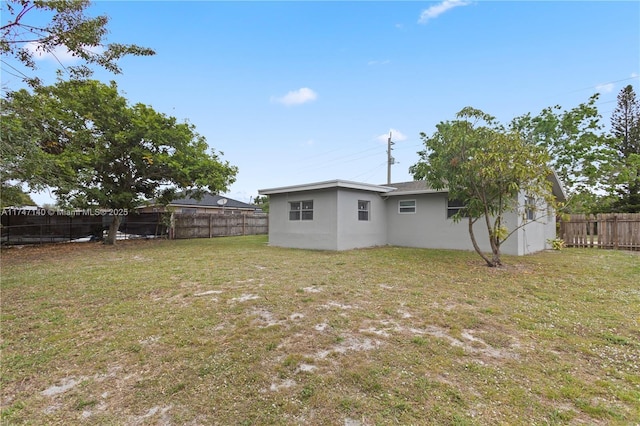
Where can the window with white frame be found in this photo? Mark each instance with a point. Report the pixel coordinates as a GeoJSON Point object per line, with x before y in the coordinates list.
{"type": "Point", "coordinates": [454, 207]}
{"type": "Point", "coordinates": [363, 209]}
{"type": "Point", "coordinates": [301, 210]}
{"type": "Point", "coordinates": [407, 206]}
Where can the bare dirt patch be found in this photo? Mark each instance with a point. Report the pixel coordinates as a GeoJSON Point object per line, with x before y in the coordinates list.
{"type": "Point", "coordinates": [65, 384]}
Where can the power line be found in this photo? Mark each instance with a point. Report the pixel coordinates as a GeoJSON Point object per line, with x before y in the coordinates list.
{"type": "Point", "coordinates": [369, 172]}
{"type": "Point", "coordinates": [344, 160]}
{"type": "Point", "coordinates": [355, 156]}
{"type": "Point", "coordinates": [603, 84]}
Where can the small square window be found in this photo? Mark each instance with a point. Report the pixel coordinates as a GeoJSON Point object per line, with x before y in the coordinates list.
{"type": "Point", "coordinates": [454, 207]}
{"type": "Point", "coordinates": [407, 206]}
{"type": "Point", "coordinates": [294, 210]}
{"type": "Point", "coordinates": [301, 210]}
{"type": "Point", "coordinates": [363, 210]}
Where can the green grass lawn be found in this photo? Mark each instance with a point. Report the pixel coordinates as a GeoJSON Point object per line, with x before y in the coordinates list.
{"type": "Point", "coordinates": [230, 331]}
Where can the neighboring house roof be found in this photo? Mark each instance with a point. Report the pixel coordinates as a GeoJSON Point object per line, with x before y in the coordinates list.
{"type": "Point", "coordinates": [210, 200]}
{"type": "Point", "coordinates": [326, 185]}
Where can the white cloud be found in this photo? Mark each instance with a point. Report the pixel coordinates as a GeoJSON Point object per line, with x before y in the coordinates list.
{"type": "Point", "coordinates": [605, 88]}
{"type": "Point", "coordinates": [58, 55]}
{"type": "Point", "coordinates": [296, 97]}
{"type": "Point", "coordinates": [396, 136]}
{"type": "Point", "coordinates": [440, 8]}
{"type": "Point", "coordinates": [634, 75]}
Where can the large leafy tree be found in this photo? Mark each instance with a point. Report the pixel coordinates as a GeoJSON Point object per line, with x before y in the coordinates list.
{"type": "Point", "coordinates": [113, 155]}
{"type": "Point", "coordinates": [487, 168]}
{"type": "Point", "coordinates": [575, 141]}
{"type": "Point", "coordinates": [625, 165]}
{"type": "Point", "coordinates": [34, 27]}
{"type": "Point", "coordinates": [14, 196]}
{"type": "Point", "coordinates": [27, 149]}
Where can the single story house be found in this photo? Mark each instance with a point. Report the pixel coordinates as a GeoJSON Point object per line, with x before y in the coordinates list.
{"type": "Point", "coordinates": [342, 215]}
{"type": "Point", "coordinates": [208, 204]}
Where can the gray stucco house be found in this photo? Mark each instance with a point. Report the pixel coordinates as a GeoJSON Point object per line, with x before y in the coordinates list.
{"type": "Point", "coordinates": [342, 215]}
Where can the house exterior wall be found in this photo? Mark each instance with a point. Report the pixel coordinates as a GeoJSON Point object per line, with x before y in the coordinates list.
{"type": "Point", "coordinates": [336, 226]}
{"type": "Point", "coordinates": [429, 227]}
{"type": "Point", "coordinates": [355, 233]}
{"type": "Point", "coordinates": [551, 228]}
{"type": "Point", "coordinates": [320, 233]}
{"type": "Point", "coordinates": [533, 236]}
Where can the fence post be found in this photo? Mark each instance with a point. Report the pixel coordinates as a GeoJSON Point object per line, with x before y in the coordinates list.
{"type": "Point", "coordinates": [615, 232]}
{"type": "Point", "coordinates": [171, 227]}
{"type": "Point", "coordinates": [603, 231]}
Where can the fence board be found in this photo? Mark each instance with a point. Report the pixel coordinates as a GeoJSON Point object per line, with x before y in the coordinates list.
{"type": "Point", "coordinates": [606, 231]}
{"type": "Point", "coordinates": [214, 225]}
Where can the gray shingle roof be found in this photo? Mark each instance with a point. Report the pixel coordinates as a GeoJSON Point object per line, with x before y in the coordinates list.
{"type": "Point", "coordinates": [413, 187]}
{"type": "Point", "coordinates": [416, 185]}
{"type": "Point", "coordinates": [210, 200]}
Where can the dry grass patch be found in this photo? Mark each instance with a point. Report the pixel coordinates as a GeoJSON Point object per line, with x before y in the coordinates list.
{"type": "Point", "coordinates": [231, 331]}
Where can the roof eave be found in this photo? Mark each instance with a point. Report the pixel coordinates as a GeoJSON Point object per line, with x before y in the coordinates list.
{"type": "Point", "coordinates": [326, 185]}
{"type": "Point", "coordinates": [558, 189]}
{"type": "Point", "coordinates": [416, 192]}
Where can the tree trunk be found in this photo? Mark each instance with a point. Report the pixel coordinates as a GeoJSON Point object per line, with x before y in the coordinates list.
{"type": "Point", "coordinates": [475, 245]}
{"type": "Point", "coordinates": [495, 258]}
{"type": "Point", "coordinates": [113, 229]}
{"type": "Point", "coordinates": [494, 239]}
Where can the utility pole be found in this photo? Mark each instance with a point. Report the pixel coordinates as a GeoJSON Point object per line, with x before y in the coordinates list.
{"type": "Point", "coordinates": [390, 159]}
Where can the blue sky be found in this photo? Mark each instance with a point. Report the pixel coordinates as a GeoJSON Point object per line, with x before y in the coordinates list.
{"type": "Point", "coordinates": [298, 92]}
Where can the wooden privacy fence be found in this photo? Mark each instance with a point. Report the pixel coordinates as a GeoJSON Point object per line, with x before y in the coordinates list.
{"type": "Point", "coordinates": [608, 231]}
{"type": "Point", "coordinates": [215, 225]}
